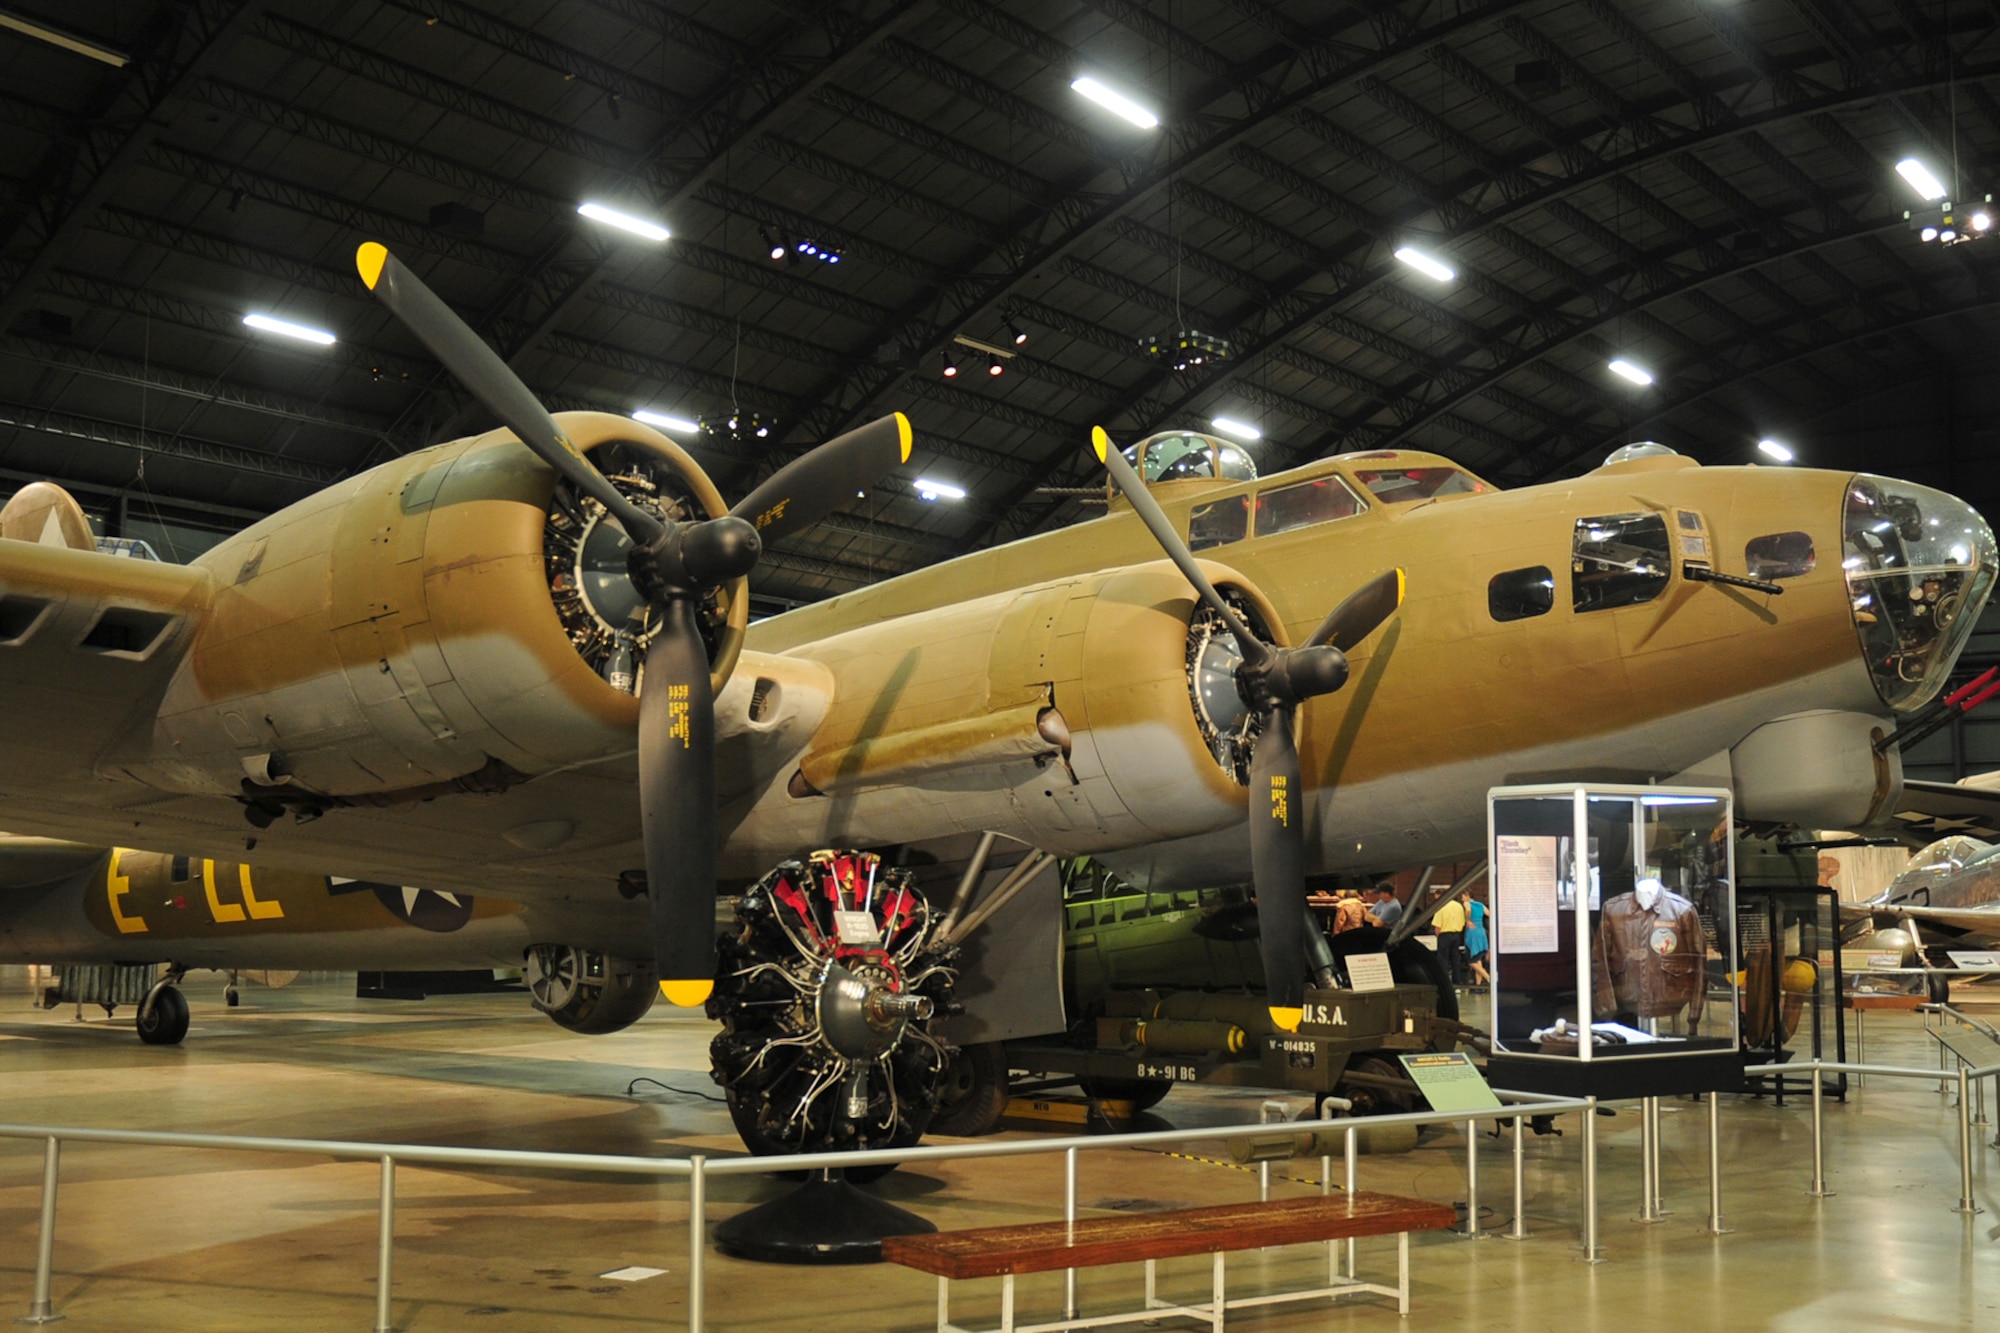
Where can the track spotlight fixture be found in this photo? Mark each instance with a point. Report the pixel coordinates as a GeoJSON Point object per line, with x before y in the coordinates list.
{"type": "Point", "coordinates": [774, 241]}
{"type": "Point", "coordinates": [1017, 333]}
{"type": "Point", "coordinates": [950, 366]}
{"type": "Point", "coordinates": [993, 366]}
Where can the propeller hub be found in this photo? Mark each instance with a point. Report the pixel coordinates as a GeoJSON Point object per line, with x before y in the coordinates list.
{"type": "Point", "coordinates": [690, 558]}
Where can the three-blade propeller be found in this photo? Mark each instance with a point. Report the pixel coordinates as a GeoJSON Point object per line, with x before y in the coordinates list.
{"type": "Point", "coordinates": [1272, 682]}
{"type": "Point", "coordinates": [676, 566]}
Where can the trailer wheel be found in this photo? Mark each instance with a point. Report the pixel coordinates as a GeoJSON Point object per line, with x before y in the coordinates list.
{"type": "Point", "coordinates": [973, 1094]}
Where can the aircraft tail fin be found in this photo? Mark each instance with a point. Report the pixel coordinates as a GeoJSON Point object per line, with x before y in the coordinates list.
{"type": "Point", "coordinates": [47, 515]}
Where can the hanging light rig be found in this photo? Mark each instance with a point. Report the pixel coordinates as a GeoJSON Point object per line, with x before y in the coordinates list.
{"type": "Point", "coordinates": [1946, 223]}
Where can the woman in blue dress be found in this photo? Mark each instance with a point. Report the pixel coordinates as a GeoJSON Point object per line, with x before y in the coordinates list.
{"type": "Point", "coordinates": [1475, 936]}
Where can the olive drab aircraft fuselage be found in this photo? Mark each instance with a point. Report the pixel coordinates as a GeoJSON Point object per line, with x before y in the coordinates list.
{"type": "Point", "coordinates": [418, 675]}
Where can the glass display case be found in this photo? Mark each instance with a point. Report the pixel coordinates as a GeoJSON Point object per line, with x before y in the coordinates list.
{"type": "Point", "coordinates": [1613, 940]}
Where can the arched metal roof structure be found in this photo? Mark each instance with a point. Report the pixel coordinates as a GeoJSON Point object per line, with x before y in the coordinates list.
{"type": "Point", "coordinates": [1707, 189]}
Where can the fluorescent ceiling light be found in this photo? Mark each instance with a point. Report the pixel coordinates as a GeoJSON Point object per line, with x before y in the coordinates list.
{"type": "Point", "coordinates": [932, 490]}
{"type": "Point", "coordinates": [1424, 264]}
{"type": "Point", "coordinates": [1116, 102]}
{"type": "Point", "coordinates": [1920, 178]}
{"type": "Point", "coordinates": [666, 422]}
{"type": "Point", "coordinates": [1625, 370]}
{"type": "Point", "coordinates": [286, 329]}
{"type": "Point", "coordinates": [57, 37]}
{"type": "Point", "coordinates": [611, 217]}
{"type": "Point", "coordinates": [1241, 430]}
{"type": "Point", "coordinates": [1772, 449]}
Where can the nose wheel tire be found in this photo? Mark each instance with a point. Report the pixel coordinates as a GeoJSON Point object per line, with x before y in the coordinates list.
{"type": "Point", "coordinates": [973, 1094]}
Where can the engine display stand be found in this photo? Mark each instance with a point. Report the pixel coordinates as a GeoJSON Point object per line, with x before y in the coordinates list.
{"type": "Point", "coordinates": [825, 1220]}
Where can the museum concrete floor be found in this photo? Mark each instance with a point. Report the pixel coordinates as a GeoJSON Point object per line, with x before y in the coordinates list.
{"type": "Point", "coordinates": [178, 1239]}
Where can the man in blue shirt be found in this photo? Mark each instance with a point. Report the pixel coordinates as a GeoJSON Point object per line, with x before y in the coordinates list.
{"type": "Point", "coordinates": [1387, 909]}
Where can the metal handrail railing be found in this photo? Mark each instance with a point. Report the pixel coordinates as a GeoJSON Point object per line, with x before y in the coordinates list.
{"type": "Point", "coordinates": [1963, 1075]}
{"type": "Point", "coordinates": [697, 1168]}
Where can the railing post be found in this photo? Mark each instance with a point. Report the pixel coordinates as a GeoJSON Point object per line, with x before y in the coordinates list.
{"type": "Point", "coordinates": [385, 1243]}
{"type": "Point", "coordinates": [697, 1238]}
{"type": "Point", "coordinates": [1471, 1179]}
{"type": "Point", "coordinates": [1069, 1229]}
{"type": "Point", "coordinates": [1715, 1227]}
{"type": "Point", "coordinates": [1819, 1189]}
{"type": "Point", "coordinates": [1649, 1188]}
{"type": "Point", "coordinates": [1353, 1161]}
{"type": "Point", "coordinates": [1591, 1254]}
{"type": "Point", "coordinates": [1519, 1231]}
{"type": "Point", "coordinates": [1965, 1203]}
{"type": "Point", "coordinates": [41, 1310]}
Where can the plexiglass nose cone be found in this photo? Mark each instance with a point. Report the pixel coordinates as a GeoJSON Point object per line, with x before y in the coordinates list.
{"type": "Point", "coordinates": [1919, 566]}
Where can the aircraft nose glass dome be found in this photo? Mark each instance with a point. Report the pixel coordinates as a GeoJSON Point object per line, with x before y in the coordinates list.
{"type": "Point", "coordinates": [1919, 566]}
{"type": "Point", "coordinates": [1181, 455]}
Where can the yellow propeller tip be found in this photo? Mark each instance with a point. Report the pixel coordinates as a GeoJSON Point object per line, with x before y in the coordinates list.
{"type": "Point", "coordinates": [905, 437]}
{"type": "Point", "coordinates": [687, 994]}
{"type": "Point", "coordinates": [1101, 442]}
{"type": "Point", "coordinates": [1287, 1020]}
{"type": "Point", "coordinates": [1402, 585]}
{"type": "Point", "coordinates": [369, 259]}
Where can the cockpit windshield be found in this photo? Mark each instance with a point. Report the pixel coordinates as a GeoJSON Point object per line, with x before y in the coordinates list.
{"type": "Point", "coordinates": [1185, 455]}
{"type": "Point", "coordinates": [1919, 565]}
{"type": "Point", "coordinates": [1406, 485]}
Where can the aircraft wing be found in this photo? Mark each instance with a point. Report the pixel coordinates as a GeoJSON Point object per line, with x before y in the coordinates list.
{"type": "Point", "coordinates": [1933, 810]}
{"type": "Point", "coordinates": [26, 862]}
{"type": "Point", "coordinates": [88, 644]}
{"type": "Point", "coordinates": [1981, 922]}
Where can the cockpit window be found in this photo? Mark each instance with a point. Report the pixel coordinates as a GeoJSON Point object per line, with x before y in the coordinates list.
{"type": "Point", "coordinates": [1321, 500]}
{"type": "Point", "coordinates": [1185, 455]}
{"type": "Point", "coordinates": [1405, 485]}
{"type": "Point", "coordinates": [1781, 555]}
{"type": "Point", "coordinates": [1619, 560]}
{"type": "Point", "coordinates": [1219, 522]}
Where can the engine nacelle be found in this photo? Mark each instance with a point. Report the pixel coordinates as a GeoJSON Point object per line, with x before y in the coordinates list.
{"type": "Point", "coordinates": [428, 622]}
{"type": "Point", "coordinates": [589, 992]}
{"type": "Point", "coordinates": [1076, 715]}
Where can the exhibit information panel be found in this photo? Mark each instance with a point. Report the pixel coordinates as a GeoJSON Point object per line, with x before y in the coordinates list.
{"type": "Point", "coordinates": [1613, 937]}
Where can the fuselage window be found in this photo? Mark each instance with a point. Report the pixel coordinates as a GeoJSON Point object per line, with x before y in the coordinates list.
{"type": "Point", "coordinates": [1321, 500]}
{"type": "Point", "coordinates": [178, 872]}
{"type": "Point", "coordinates": [1219, 521]}
{"type": "Point", "coordinates": [1407, 485]}
{"type": "Point", "coordinates": [1619, 560]}
{"type": "Point", "coordinates": [1521, 593]}
{"type": "Point", "coordinates": [1780, 555]}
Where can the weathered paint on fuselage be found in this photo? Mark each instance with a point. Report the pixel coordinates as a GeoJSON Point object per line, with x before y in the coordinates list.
{"type": "Point", "coordinates": [1446, 700]}
{"type": "Point", "coordinates": [398, 628]}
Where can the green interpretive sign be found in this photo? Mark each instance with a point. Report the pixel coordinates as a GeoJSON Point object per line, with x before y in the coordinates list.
{"type": "Point", "coordinates": [1450, 1082]}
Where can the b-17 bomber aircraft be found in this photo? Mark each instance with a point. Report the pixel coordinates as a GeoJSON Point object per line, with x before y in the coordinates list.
{"type": "Point", "coordinates": [519, 664]}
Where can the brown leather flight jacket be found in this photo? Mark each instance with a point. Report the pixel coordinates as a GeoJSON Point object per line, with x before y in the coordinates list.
{"type": "Point", "coordinates": [1649, 963]}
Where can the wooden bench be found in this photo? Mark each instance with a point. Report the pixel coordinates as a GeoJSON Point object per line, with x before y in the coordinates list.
{"type": "Point", "coordinates": [1043, 1247]}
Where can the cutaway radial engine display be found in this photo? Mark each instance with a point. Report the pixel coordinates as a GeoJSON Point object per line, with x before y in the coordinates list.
{"type": "Point", "coordinates": [826, 994]}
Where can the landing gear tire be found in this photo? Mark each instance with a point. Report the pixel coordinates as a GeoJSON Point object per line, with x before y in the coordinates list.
{"type": "Point", "coordinates": [166, 1022]}
{"type": "Point", "coordinates": [1939, 988]}
{"type": "Point", "coordinates": [973, 1094]}
{"type": "Point", "coordinates": [825, 1041]}
{"type": "Point", "coordinates": [1143, 1093]}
